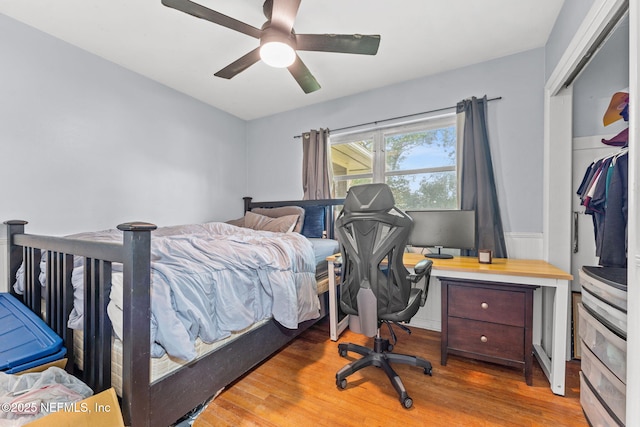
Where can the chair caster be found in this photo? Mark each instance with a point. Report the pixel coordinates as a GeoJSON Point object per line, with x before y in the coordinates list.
{"type": "Point", "coordinates": [342, 351]}
{"type": "Point", "coordinates": [428, 371]}
{"type": "Point", "coordinates": [407, 402]}
{"type": "Point", "coordinates": [342, 384]}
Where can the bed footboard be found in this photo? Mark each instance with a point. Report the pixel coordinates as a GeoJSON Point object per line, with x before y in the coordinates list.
{"type": "Point", "coordinates": [134, 254]}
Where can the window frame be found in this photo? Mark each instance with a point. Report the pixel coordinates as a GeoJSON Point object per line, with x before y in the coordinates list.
{"type": "Point", "coordinates": [378, 137]}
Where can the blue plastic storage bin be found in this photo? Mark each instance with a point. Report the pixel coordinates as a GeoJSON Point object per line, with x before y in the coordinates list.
{"type": "Point", "coordinates": [25, 340]}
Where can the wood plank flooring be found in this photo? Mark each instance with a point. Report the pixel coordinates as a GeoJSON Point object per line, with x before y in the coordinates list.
{"type": "Point", "coordinates": [296, 387]}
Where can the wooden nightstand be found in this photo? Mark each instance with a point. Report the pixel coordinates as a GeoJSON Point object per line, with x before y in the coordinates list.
{"type": "Point", "coordinates": [488, 321]}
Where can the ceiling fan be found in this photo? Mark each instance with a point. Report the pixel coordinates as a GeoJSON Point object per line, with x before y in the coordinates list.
{"type": "Point", "coordinates": [278, 40]}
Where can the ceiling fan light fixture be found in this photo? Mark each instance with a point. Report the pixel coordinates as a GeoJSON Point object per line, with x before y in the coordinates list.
{"type": "Point", "coordinates": [277, 54]}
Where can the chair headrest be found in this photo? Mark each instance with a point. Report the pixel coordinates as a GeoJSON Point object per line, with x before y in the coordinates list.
{"type": "Point", "coordinates": [369, 198]}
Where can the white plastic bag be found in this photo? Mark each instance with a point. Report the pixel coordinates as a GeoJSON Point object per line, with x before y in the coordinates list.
{"type": "Point", "coordinates": [24, 398]}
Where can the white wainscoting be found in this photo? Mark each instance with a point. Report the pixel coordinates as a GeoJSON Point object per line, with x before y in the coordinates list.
{"type": "Point", "coordinates": [519, 245]}
{"type": "Point", "coordinates": [524, 245]}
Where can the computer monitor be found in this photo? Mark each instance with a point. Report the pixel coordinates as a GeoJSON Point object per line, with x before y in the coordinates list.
{"type": "Point", "coordinates": [452, 229]}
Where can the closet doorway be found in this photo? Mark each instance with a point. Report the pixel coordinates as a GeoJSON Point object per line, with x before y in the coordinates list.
{"type": "Point", "coordinates": [558, 154]}
{"type": "Point", "coordinates": [606, 74]}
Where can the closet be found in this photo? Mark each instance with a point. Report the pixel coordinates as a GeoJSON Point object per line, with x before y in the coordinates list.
{"type": "Point", "coordinates": [601, 331]}
{"type": "Point", "coordinates": [558, 189]}
{"type": "Point", "coordinates": [600, 217]}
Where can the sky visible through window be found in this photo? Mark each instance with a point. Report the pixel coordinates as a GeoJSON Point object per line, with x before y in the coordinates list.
{"type": "Point", "coordinates": [419, 164]}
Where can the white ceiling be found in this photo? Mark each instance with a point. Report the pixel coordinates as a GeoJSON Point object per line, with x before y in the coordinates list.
{"type": "Point", "coordinates": [419, 38]}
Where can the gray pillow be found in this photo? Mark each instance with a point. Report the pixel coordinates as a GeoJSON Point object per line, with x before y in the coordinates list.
{"type": "Point", "coordinates": [283, 224]}
{"type": "Point", "coordinates": [283, 211]}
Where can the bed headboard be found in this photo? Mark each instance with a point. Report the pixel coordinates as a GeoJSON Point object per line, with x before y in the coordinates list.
{"type": "Point", "coordinates": [330, 208]}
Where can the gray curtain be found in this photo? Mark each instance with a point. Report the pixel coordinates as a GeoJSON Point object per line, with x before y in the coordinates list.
{"type": "Point", "coordinates": [316, 180]}
{"type": "Point", "coordinates": [478, 185]}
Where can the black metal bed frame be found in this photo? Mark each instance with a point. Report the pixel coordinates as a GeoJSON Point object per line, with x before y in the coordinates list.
{"type": "Point", "coordinates": [143, 403]}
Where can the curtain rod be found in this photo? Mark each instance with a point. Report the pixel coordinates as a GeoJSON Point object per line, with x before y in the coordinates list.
{"type": "Point", "coordinates": [399, 117]}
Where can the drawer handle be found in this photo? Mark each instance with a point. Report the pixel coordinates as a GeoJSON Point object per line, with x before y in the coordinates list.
{"type": "Point", "coordinates": [484, 305]}
{"type": "Point", "coordinates": [483, 338]}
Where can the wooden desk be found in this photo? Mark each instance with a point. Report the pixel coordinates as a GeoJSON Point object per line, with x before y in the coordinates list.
{"type": "Point", "coordinates": [515, 271]}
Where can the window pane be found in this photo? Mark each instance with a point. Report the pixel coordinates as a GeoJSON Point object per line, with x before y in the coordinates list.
{"type": "Point", "coordinates": [355, 159]}
{"type": "Point", "coordinates": [341, 186]}
{"type": "Point", "coordinates": [436, 190]}
{"type": "Point", "coordinates": [352, 158]}
{"type": "Point", "coordinates": [422, 149]}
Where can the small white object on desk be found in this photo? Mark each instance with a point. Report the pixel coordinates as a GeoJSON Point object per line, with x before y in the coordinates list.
{"type": "Point", "coordinates": [484, 256]}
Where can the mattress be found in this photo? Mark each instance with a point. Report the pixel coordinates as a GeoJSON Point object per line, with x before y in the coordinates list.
{"type": "Point", "coordinates": [160, 367]}
{"type": "Point", "coordinates": [165, 365]}
{"type": "Point", "coordinates": [273, 276]}
{"type": "Point", "coordinates": [323, 248]}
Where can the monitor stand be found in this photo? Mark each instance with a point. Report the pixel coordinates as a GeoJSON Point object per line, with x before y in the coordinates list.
{"type": "Point", "coordinates": [439, 255]}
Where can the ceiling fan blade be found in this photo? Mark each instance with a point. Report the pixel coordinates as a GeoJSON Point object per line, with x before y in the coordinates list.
{"type": "Point", "coordinates": [283, 14]}
{"type": "Point", "coordinates": [202, 12]}
{"type": "Point", "coordinates": [239, 65]}
{"type": "Point", "coordinates": [303, 76]}
{"type": "Point", "coordinates": [341, 43]}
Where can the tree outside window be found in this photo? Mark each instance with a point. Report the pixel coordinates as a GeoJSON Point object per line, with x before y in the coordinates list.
{"type": "Point", "coordinates": [417, 161]}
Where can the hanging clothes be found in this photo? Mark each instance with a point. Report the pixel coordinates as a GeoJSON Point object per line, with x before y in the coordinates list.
{"type": "Point", "coordinates": [603, 193]}
{"type": "Point", "coordinates": [614, 237]}
{"type": "Point", "coordinates": [603, 190]}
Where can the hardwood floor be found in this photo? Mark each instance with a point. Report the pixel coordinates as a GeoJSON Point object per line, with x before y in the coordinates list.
{"type": "Point", "coordinates": [296, 387]}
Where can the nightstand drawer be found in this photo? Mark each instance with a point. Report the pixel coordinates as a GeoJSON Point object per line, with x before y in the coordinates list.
{"type": "Point", "coordinates": [490, 339]}
{"type": "Point", "coordinates": [492, 305]}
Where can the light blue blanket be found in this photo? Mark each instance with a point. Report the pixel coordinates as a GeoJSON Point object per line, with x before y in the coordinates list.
{"type": "Point", "coordinates": [209, 280]}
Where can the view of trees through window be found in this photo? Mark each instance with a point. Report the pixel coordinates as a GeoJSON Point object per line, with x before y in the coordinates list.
{"type": "Point", "coordinates": [418, 162]}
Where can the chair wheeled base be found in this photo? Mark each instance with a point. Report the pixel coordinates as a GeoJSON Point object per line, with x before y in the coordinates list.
{"type": "Point", "coordinates": [380, 357]}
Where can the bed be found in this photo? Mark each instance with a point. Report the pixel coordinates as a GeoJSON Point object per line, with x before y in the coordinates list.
{"type": "Point", "coordinates": [149, 397]}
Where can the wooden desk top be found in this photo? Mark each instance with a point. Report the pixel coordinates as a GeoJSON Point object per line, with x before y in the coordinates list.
{"type": "Point", "coordinates": [506, 266]}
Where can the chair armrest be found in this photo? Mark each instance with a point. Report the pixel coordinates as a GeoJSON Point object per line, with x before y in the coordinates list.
{"type": "Point", "coordinates": [422, 270]}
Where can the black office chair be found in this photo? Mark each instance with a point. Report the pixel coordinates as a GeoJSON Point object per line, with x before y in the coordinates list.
{"type": "Point", "coordinates": [375, 285]}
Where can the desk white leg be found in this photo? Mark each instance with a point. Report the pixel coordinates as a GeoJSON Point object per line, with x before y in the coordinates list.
{"type": "Point", "coordinates": [560, 326]}
{"type": "Point", "coordinates": [336, 326]}
{"type": "Point", "coordinates": [554, 367]}
{"type": "Point", "coordinates": [333, 303]}
{"type": "Point", "coordinates": [537, 316]}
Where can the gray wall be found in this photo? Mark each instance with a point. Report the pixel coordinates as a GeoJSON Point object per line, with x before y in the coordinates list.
{"type": "Point", "coordinates": [606, 74]}
{"type": "Point", "coordinates": [138, 150]}
{"type": "Point", "coordinates": [515, 130]}
{"type": "Point", "coordinates": [571, 16]}
{"type": "Point", "coordinates": [95, 145]}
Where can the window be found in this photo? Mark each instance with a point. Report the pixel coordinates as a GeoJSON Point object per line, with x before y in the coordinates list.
{"type": "Point", "coordinates": [418, 161]}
